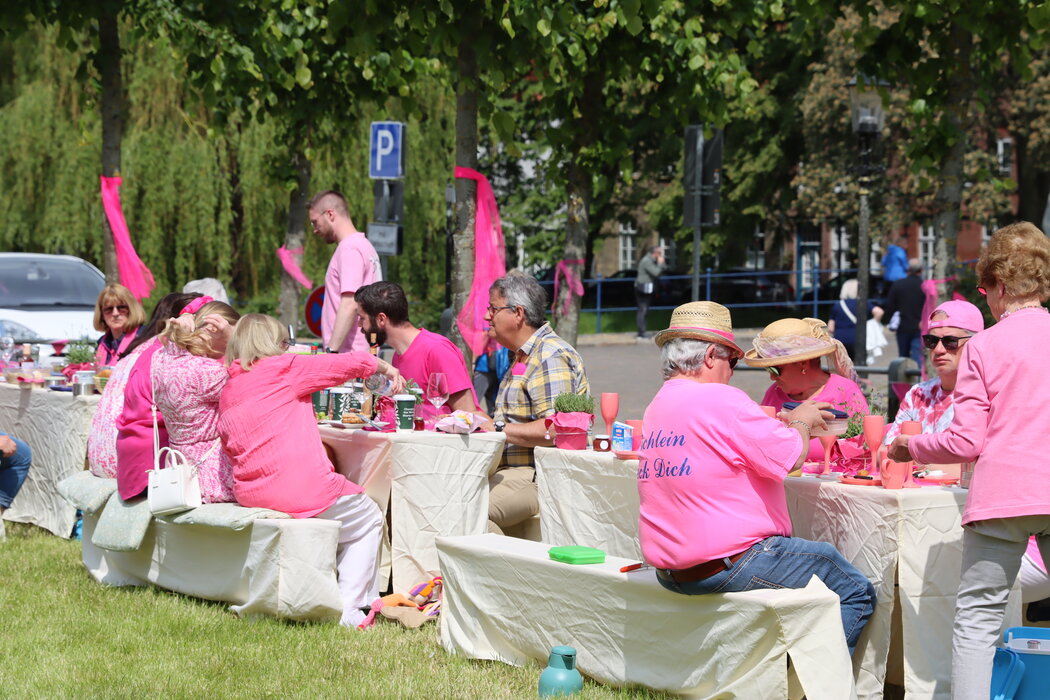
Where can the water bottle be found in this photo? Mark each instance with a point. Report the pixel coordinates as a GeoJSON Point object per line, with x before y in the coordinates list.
{"type": "Point", "coordinates": [380, 384]}
{"type": "Point", "coordinates": [561, 676]}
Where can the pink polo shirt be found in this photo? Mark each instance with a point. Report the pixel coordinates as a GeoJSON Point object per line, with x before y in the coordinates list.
{"type": "Point", "coordinates": [429, 353]}
{"type": "Point", "coordinates": [711, 474]}
{"type": "Point", "coordinates": [1000, 419]}
{"type": "Point", "coordinates": [354, 264]}
{"type": "Point", "coordinates": [269, 431]}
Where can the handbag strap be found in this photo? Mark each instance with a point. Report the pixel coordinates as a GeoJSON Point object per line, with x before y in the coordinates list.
{"type": "Point", "coordinates": [153, 410]}
{"type": "Point", "coordinates": [845, 310]}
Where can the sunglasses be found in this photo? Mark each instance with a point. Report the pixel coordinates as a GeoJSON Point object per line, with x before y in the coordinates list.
{"type": "Point", "coordinates": [732, 362]}
{"type": "Point", "coordinates": [773, 371]}
{"type": "Point", "coordinates": [951, 342]}
{"type": "Point", "coordinates": [120, 308]}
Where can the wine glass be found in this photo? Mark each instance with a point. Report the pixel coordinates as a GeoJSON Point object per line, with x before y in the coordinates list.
{"type": "Point", "coordinates": [7, 348]}
{"type": "Point", "coordinates": [610, 404]}
{"type": "Point", "coordinates": [874, 428]}
{"type": "Point", "coordinates": [827, 442]}
{"type": "Point", "coordinates": [437, 389]}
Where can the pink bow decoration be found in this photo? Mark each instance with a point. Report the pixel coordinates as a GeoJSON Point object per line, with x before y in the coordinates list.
{"type": "Point", "coordinates": [195, 305]}
{"type": "Point", "coordinates": [562, 269]}
{"type": "Point", "coordinates": [288, 258]}
{"type": "Point", "coordinates": [489, 263]}
{"type": "Point", "coordinates": [133, 272]}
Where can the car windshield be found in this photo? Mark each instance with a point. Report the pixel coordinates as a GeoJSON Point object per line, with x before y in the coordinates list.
{"type": "Point", "coordinates": [47, 282]}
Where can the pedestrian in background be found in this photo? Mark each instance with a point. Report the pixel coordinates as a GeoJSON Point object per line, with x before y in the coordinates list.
{"type": "Point", "coordinates": [895, 262]}
{"type": "Point", "coordinates": [651, 266]}
{"type": "Point", "coordinates": [843, 322]}
{"type": "Point", "coordinates": [907, 297]}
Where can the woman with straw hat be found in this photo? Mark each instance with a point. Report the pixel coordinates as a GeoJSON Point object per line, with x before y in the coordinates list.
{"type": "Point", "coordinates": [713, 514]}
{"type": "Point", "coordinates": [790, 350]}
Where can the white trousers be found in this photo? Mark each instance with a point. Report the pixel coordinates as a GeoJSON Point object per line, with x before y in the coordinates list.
{"type": "Point", "coordinates": [357, 557]}
{"type": "Point", "coordinates": [992, 553]}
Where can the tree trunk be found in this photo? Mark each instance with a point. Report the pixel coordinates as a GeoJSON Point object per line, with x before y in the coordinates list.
{"type": "Point", "coordinates": [579, 189]}
{"type": "Point", "coordinates": [948, 200]}
{"type": "Point", "coordinates": [112, 108]}
{"type": "Point", "coordinates": [466, 190]}
{"type": "Point", "coordinates": [294, 237]}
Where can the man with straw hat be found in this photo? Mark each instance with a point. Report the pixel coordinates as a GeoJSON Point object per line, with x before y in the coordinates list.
{"type": "Point", "coordinates": [713, 514]}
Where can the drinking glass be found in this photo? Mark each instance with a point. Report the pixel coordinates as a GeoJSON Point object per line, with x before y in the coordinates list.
{"type": "Point", "coordinates": [610, 404]}
{"type": "Point", "coordinates": [911, 427]}
{"type": "Point", "coordinates": [827, 442]}
{"type": "Point", "coordinates": [7, 348]}
{"type": "Point", "coordinates": [437, 389]}
{"type": "Point", "coordinates": [874, 429]}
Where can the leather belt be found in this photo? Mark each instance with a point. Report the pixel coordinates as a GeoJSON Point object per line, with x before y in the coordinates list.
{"type": "Point", "coordinates": [702, 570]}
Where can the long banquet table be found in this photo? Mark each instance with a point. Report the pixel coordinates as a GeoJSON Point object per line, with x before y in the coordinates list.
{"type": "Point", "coordinates": [910, 535]}
{"type": "Point", "coordinates": [433, 483]}
{"type": "Point", "coordinates": [55, 425]}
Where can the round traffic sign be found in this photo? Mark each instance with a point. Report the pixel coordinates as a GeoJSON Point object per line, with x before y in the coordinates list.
{"type": "Point", "coordinates": [314, 303]}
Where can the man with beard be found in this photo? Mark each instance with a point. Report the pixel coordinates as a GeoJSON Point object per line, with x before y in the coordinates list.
{"type": "Point", "coordinates": [382, 310]}
{"type": "Point", "coordinates": [354, 264]}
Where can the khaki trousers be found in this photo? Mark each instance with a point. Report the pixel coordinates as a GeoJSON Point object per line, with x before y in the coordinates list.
{"type": "Point", "coordinates": [512, 497]}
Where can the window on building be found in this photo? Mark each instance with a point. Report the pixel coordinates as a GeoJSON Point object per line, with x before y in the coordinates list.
{"type": "Point", "coordinates": [628, 245]}
{"type": "Point", "coordinates": [927, 245]}
{"type": "Point", "coordinates": [1004, 153]}
{"type": "Point", "coordinates": [670, 252]}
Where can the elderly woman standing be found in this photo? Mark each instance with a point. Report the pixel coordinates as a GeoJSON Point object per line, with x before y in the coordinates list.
{"type": "Point", "coordinates": [120, 315]}
{"type": "Point", "coordinates": [843, 322]}
{"type": "Point", "coordinates": [269, 430]}
{"type": "Point", "coordinates": [187, 377]}
{"type": "Point", "coordinates": [1000, 422]}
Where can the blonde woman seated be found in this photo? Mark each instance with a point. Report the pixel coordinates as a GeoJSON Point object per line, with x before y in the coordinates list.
{"type": "Point", "coordinates": [790, 350]}
{"type": "Point", "coordinates": [269, 430]}
{"type": "Point", "coordinates": [187, 377]}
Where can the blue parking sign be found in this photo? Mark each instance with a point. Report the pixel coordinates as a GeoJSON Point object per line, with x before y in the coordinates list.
{"type": "Point", "coordinates": [386, 151]}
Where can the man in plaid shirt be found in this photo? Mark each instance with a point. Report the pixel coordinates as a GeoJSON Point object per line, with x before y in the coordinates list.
{"type": "Point", "coordinates": [542, 366]}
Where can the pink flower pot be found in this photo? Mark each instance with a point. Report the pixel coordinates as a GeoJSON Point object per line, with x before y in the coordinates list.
{"type": "Point", "coordinates": [570, 439]}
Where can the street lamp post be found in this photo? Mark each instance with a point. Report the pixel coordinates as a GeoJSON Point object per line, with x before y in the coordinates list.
{"type": "Point", "coordinates": [868, 118]}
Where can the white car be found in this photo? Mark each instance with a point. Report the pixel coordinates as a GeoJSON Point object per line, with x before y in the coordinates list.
{"type": "Point", "coordinates": [48, 297]}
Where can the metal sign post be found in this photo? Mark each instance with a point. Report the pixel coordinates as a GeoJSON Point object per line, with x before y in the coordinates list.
{"type": "Point", "coordinates": [386, 165]}
{"type": "Point", "coordinates": [703, 182]}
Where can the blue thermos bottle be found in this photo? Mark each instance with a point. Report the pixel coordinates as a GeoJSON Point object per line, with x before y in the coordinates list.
{"type": "Point", "coordinates": [560, 677]}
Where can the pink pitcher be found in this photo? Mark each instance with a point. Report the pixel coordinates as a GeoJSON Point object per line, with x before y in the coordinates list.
{"type": "Point", "coordinates": [894, 474]}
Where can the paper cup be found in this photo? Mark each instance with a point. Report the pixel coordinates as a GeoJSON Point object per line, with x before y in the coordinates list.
{"type": "Point", "coordinates": [405, 410]}
{"type": "Point", "coordinates": [342, 401]}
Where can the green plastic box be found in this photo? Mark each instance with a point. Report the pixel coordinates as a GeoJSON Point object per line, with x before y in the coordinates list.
{"type": "Point", "coordinates": [576, 554]}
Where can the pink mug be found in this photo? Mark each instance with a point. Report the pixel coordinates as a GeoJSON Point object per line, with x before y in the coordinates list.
{"type": "Point", "coordinates": [894, 474]}
{"type": "Point", "coordinates": [636, 442]}
{"type": "Point", "coordinates": [769, 411]}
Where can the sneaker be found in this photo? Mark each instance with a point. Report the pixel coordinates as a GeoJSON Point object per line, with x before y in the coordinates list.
{"type": "Point", "coordinates": [3, 532]}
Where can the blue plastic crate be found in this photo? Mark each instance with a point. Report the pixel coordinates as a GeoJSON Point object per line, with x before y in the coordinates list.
{"type": "Point", "coordinates": [1032, 646]}
{"type": "Point", "coordinates": [1007, 671]}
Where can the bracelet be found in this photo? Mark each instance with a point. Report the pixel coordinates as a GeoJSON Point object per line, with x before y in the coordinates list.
{"type": "Point", "coordinates": [802, 423]}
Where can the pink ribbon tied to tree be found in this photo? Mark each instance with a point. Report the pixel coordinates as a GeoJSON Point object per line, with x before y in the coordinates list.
{"type": "Point", "coordinates": [563, 269]}
{"type": "Point", "coordinates": [489, 263]}
{"type": "Point", "coordinates": [289, 258]}
{"type": "Point", "coordinates": [133, 272]}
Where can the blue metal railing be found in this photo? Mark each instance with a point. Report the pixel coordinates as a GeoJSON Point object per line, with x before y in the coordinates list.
{"type": "Point", "coordinates": [756, 289]}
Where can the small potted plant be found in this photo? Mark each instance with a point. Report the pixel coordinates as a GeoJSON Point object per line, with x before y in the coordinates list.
{"type": "Point", "coordinates": [572, 418]}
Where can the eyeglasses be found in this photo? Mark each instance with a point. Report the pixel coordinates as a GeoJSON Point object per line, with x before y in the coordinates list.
{"type": "Point", "coordinates": [493, 309]}
{"type": "Point", "coordinates": [285, 344]}
{"type": "Point", "coordinates": [120, 308]}
{"type": "Point", "coordinates": [773, 371]}
{"type": "Point", "coordinates": [983, 291]}
{"type": "Point", "coordinates": [951, 342]}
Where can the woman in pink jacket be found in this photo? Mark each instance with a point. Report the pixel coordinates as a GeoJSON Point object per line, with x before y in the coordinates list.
{"type": "Point", "coordinates": [269, 431]}
{"type": "Point", "coordinates": [1001, 422]}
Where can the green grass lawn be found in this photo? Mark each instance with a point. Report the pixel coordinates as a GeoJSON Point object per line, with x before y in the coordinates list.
{"type": "Point", "coordinates": [66, 636]}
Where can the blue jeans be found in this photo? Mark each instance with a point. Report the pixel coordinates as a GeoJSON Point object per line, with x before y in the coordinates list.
{"type": "Point", "coordinates": [790, 562]}
{"type": "Point", "coordinates": [13, 471]}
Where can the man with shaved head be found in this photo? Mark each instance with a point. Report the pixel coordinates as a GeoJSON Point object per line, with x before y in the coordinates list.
{"type": "Point", "coordinates": [354, 264]}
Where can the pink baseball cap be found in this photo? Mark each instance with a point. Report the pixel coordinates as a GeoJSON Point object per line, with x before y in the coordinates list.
{"type": "Point", "coordinates": [961, 314]}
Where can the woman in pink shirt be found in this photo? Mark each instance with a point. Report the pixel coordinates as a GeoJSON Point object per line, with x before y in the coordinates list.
{"type": "Point", "coordinates": [188, 375]}
{"type": "Point", "coordinates": [269, 430]}
{"type": "Point", "coordinates": [1001, 422]}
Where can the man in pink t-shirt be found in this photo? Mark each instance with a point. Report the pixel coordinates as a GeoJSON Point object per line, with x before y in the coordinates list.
{"type": "Point", "coordinates": [713, 515]}
{"type": "Point", "coordinates": [354, 264]}
{"type": "Point", "coordinates": [382, 311]}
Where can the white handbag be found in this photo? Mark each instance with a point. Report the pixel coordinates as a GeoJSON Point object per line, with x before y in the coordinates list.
{"type": "Point", "coordinates": [173, 483]}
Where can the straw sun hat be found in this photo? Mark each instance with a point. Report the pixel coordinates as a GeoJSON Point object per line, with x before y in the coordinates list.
{"type": "Point", "coordinates": [796, 340]}
{"type": "Point", "coordinates": [701, 320]}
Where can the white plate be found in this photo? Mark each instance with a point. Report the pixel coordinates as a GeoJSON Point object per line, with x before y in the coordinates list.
{"type": "Point", "coordinates": [353, 426]}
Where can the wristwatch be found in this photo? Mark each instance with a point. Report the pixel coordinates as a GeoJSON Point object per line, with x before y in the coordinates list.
{"type": "Point", "coordinates": [330, 351]}
{"type": "Point", "coordinates": [499, 425]}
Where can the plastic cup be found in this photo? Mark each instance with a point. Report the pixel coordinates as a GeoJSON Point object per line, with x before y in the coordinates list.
{"type": "Point", "coordinates": [894, 473]}
{"type": "Point", "coordinates": [405, 411]}
{"type": "Point", "coordinates": [769, 411]}
{"type": "Point", "coordinates": [636, 442]}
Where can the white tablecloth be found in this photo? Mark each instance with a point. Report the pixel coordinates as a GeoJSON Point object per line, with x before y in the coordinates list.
{"type": "Point", "coordinates": [434, 483]}
{"type": "Point", "coordinates": [913, 536]}
{"type": "Point", "coordinates": [506, 600]}
{"type": "Point", "coordinates": [55, 425]}
{"type": "Point", "coordinates": [588, 498]}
